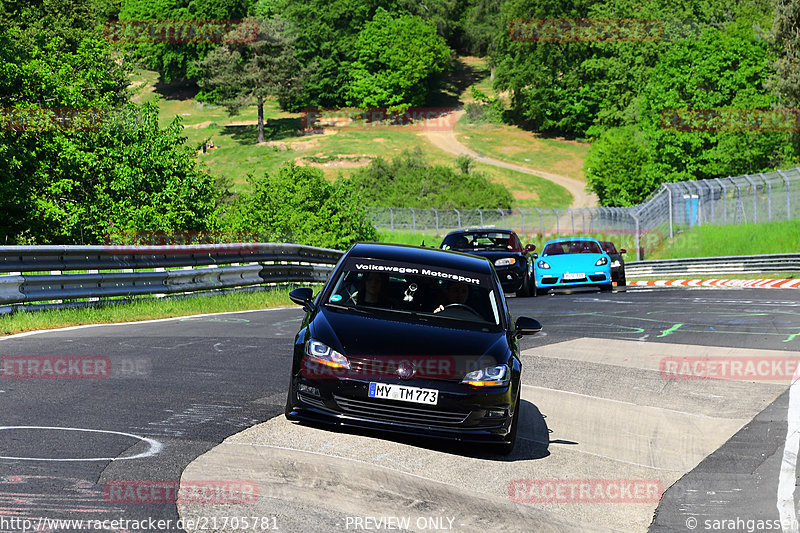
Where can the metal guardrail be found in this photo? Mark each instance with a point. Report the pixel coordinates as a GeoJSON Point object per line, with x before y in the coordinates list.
{"type": "Point", "coordinates": [127, 271]}
{"type": "Point", "coordinates": [745, 264]}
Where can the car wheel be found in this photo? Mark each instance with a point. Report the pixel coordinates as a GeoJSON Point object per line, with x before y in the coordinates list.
{"type": "Point", "coordinates": [507, 447]}
{"type": "Point", "coordinates": [606, 288]}
{"type": "Point", "coordinates": [541, 292]}
{"type": "Point", "coordinates": [621, 281]}
{"type": "Point", "coordinates": [290, 397]}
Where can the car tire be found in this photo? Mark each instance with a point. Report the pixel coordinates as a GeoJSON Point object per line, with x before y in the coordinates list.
{"type": "Point", "coordinates": [622, 282]}
{"type": "Point", "coordinates": [290, 396]}
{"type": "Point", "coordinates": [606, 288]}
{"type": "Point", "coordinates": [541, 292]}
{"type": "Point", "coordinates": [506, 448]}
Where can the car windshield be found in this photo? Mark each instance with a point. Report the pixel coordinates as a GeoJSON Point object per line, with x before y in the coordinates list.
{"type": "Point", "coordinates": [370, 285]}
{"type": "Point", "coordinates": [608, 247]}
{"type": "Point", "coordinates": [495, 241]}
{"type": "Point", "coordinates": [572, 247]}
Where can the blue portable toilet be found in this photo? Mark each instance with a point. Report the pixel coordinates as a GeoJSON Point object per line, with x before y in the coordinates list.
{"type": "Point", "coordinates": [692, 205]}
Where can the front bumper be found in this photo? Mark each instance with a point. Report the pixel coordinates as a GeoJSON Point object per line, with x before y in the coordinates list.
{"type": "Point", "coordinates": [548, 280]}
{"type": "Point", "coordinates": [461, 413]}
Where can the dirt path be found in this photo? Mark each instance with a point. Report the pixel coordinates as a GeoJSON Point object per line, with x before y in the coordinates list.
{"type": "Point", "coordinates": [446, 140]}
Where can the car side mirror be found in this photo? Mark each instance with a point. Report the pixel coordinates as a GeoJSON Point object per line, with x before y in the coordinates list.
{"type": "Point", "coordinates": [529, 248]}
{"type": "Point", "coordinates": [526, 326]}
{"type": "Point", "coordinates": [623, 251]}
{"type": "Point", "coordinates": [535, 256]}
{"type": "Point", "coordinates": [304, 297]}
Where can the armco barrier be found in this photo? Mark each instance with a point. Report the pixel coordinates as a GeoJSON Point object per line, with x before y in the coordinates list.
{"type": "Point", "coordinates": [79, 272]}
{"type": "Point", "coordinates": [745, 264]}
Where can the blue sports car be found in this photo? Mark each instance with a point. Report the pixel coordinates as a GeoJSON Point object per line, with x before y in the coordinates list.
{"type": "Point", "coordinates": [571, 262]}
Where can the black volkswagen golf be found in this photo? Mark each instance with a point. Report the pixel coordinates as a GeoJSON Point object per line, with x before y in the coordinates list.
{"type": "Point", "coordinates": [410, 340]}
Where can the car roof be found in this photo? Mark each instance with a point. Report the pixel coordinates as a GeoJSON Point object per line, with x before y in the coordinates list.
{"type": "Point", "coordinates": [480, 230]}
{"type": "Point", "coordinates": [566, 239]}
{"type": "Point", "coordinates": [421, 255]}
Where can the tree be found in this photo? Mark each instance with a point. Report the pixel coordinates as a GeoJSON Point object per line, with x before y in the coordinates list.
{"type": "Point", "coordinates": [615, 167]}
{"type": "Point", "coordinates": [786, 81]}
{"type": "Point", "coordinates": [244, 69]}
{"type": "Point", "coordinates": [72, 182]}
{"type": "Point", "coordinates": [396, 61]}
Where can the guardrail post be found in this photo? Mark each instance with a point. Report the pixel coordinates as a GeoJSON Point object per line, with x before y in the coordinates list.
{"type": "Point", "coordinates": [458, 216]}
{"type": "Point", "coordinates": [413, 220]}
{"type": "Point", "coordinates": [480, 212]}
{"type": "Point", "coordinates": [391, 218]}
{"type": "Point", "coordinates": [572, 218]}
{"type": "Point", "coordinates": [436, 215]}
{"type": "Point", "coordinates": [638, 241]}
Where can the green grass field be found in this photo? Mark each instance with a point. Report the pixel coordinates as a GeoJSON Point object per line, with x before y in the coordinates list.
{"type": "Point", "coordinates": [142, 309]}
{"type": "Point", "coordinates": [746, 239]}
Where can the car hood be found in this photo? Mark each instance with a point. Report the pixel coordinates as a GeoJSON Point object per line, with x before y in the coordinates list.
{"type": "Point", "coordinates": [567, 262]}
{"type": "Point", "coordinates": [385, 335]}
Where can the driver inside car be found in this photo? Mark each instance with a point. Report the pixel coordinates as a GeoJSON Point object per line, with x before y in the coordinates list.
{"type": "Point", "coordinates": [456, 292]}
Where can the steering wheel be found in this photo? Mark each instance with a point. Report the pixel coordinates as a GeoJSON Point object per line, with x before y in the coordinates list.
{"type": "Point", "coordinates": [462, 306]}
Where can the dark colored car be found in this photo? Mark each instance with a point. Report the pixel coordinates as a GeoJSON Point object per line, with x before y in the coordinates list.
{"type": "Point", "coordinates": [617, 262]}
{"type": "Point", "coordinates": [513, 263]}
{"type": "Point", "coordinates": [413, 341]}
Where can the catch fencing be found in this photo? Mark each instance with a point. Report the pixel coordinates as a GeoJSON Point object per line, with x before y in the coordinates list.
{"type": "Point", "coordinates": [671, 209]}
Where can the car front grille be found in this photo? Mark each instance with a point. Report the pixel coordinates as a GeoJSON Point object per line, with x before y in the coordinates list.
{"type": "Point", "coordinates": [386, 412]}
{"type": "Point", "coordinates": [597, 277]}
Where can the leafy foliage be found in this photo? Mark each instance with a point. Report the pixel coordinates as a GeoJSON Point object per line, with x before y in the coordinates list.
{"type": "Point", "coordinates": [175, 60]}
{"type": "Point", "coordinates": [297, 205]}
{"type": "Point", "coordinates": [719, 70]}
{"type": "Point", "coordinates": [408, 181]}
{"type": "Point", "coordinates": [63, 184]}
{"type": "Point", "coordinates": [396, 60]}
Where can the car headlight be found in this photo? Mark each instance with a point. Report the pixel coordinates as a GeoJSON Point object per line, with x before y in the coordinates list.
{"type": "Point", "coordinates": [506, 261]}
{"type": "Point", "coordinates": [322, 353]}
{"type": "Point", "coordinates": [488, 377]}
{"type": "Point", "coordinates": [542, 264]}
{"type": "Point", "coordinates": [615, 264]}
{"type": "Point", "coordinates": [602, 261]}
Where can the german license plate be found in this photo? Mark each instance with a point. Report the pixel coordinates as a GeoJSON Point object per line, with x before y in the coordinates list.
{"type": "Point", "coordinates": [574, 275]}
{"type": "Point", "coordinates": [404, 394]}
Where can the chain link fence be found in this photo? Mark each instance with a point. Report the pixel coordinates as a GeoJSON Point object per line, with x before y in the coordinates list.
{"type": "Point", "coordinates": [672, 208]}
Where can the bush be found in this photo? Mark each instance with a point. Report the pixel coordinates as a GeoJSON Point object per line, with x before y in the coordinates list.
{"type": "Point", "coordinates": [408, 181]}
{"type": "Point", "coordinates": [297, 205]}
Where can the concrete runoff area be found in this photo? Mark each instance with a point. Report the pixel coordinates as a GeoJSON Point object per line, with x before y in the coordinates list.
{"type": "Point", "coordinates": [592, 410]}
